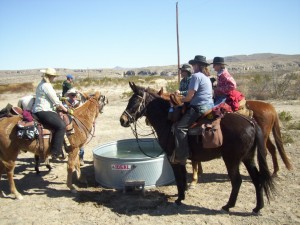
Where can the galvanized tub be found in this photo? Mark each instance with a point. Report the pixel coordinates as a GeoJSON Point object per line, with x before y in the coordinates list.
{"type": "Point", "coordinates": [120, 161]}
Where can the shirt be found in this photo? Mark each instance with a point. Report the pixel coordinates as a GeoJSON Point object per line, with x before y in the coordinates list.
{"type": "Point", "coordinates": [66, 86]}
{"type": "Point", "coordinates": [46, 98]}
{"type": "Point", "coordinates": [184, 85]}
{"type": "Point", "coordinates": [225, 84]}
{"type": "Point", "coordinates": [201, 84]}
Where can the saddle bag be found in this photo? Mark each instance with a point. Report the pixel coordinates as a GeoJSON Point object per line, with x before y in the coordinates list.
{"type": "Point", "coordinates": [27, 130]}
{"type": "Point", "coordinates": [211, 134]}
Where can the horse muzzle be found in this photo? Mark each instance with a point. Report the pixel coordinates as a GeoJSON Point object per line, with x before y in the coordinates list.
{"type": "Point", "coordinates": [124, 121]}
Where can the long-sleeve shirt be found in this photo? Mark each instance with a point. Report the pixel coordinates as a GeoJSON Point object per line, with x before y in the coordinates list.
{"type": "Point", "coordinates": [184, 85]}
{"type": "Point", "coordinates": [225, 84]}
{"type": "Point", "coordinates": [46, 98]}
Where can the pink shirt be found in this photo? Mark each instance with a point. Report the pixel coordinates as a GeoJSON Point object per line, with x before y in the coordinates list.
{"type": "Point", "coordinates": [225, 84]}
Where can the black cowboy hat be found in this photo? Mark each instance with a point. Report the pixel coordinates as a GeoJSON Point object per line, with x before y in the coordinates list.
{"type": "Point", "coordinates": [186, 67]}
{"type": "Point", "coordinates": [199, 59]}
{"type": "Point", "coordinates": [219, 60]}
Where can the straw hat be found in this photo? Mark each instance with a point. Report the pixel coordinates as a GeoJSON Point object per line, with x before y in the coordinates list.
{"type": "Point", "coordinates": [71, 91]}
{"type": "Point", "coordinates": [50, 71]}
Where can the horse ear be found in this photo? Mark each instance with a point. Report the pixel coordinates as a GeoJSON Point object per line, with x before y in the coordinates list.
{"type": "Point", "coordinates": [133, 86]}
{"type": "Point", "coordinates": [97, 95]}
{"type": "Point", "coordinates": [161, 91]}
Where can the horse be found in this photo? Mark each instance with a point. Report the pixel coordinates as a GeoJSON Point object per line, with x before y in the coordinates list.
{"type": "Point", "coordinates": [26, 103]}
{"type": "Point", "coordinates": [83, 122]}
{"type": "Point", "coordinates": [241, 138]}
{"type": "Point", "coordinates": [266, 117]}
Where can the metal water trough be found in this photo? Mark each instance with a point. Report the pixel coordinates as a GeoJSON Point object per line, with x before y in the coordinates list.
{"type": "Point", "coordinates": [121, 162]}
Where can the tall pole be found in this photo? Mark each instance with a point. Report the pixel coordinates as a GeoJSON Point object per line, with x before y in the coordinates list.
{"type": "Point", "coordinates": [178, 52]}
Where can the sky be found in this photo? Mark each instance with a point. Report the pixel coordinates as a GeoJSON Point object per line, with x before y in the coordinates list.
{"type": "Point", "coordinates": [90, 34]}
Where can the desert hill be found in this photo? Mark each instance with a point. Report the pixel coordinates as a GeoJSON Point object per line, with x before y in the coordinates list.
{"type": "Point", "coordinates": [242, 64]}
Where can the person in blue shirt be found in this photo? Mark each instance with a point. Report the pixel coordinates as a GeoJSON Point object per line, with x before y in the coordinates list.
{"type": "Point", "coordinates": [200, 100]}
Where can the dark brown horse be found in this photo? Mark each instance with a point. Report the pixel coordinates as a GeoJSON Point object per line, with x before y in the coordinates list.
{"type": "Point", "coordinates": [10, 145]}
{"type": "Point", "coordinates": [266, 117]}
{"type": "Point", "coordinates": [241, 138]}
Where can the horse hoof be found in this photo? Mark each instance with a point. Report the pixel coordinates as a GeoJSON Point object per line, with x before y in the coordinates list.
{"type": "Point", "coordinates": [19, 197]}
{"type": "Point", "coordinates": [256, 211]}
{"type": "Point", "coordinates": [225, 208]}
{"type": "Point", "coordinates": [74, 191]}
{"type": "Point", "coordinates": [178, 202]}
{"type": "Point", "coordinates": [192, 186]}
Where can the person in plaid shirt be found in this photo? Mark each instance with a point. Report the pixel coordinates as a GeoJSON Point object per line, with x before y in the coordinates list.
{"type": "Point", "coordinates": [225, 82]}
{"type": "Point", "coordinates": [185, 72]}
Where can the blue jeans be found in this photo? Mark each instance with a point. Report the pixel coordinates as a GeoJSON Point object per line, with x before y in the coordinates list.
{"type": "Point", "coordinates": [52, 121]}
{"type": "Point", "coordinates": [81, 153]}
{"type": "Point", "coordinates": [219, 99]}
{"type": "Point", "coordinates": [181, 138]}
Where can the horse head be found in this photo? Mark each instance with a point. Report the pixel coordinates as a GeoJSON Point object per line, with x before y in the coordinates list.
{"type": "Point", "coordinates": [137, 104]}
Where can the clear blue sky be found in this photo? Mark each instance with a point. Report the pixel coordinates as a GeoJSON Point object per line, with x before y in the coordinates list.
{"type": "Point", "coordinates": [137, 33]}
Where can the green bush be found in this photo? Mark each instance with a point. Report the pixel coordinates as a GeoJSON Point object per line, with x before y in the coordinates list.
{"type": "Point", "coordinates": [285, 116]}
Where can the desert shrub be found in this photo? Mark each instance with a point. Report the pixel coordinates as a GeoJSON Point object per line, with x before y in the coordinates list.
{"type": "Point", "coordinates": [172, 86]}
{"type": "Point", "coordinates": [285, 116]}
{"type": "Point", "coordinates": [287, 138]}
{"type": "Point", "coordinates": [16, 88]}
{"type": "Point", "coordinates": [294, 126]}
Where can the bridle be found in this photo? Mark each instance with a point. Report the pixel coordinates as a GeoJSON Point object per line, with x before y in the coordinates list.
{"type": "Point", "coordinates": [140, 112]}
{"type": "Point", "coordinates": [82, 126]}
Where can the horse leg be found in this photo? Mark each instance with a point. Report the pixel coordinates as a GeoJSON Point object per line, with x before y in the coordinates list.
{"type": "Point", "coordinates": [195, 168]}
{"type": "Point", "coordinates": [254, 174]}
{"type": "Point", "coordinates": [37, 164]}
{"type": "Point", "coordinates": [73, 155]}
{"type": "Point", "coordinates": [271, 147]}
{"type": "Point", "coordinates": [181, 181]}
{"type": "Point", "coordinates": [1, 171]}
{"type": "Point", "coordinates": [236, 181]}
{"type": "Point", "coordinates": [10, 177]}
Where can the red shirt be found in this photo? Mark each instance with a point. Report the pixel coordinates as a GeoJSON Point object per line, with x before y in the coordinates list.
{"type": "Point", "coordinates": [225, 84]}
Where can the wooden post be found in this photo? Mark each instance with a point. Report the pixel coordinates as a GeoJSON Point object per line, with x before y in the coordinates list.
{"type": "Point", "coordinates": [178, 52]}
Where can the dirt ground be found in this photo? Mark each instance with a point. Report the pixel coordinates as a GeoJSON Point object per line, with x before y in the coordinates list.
{"type": "Point", "coordinates": [47, 199]}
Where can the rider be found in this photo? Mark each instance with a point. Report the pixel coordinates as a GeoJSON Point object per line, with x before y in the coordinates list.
{"type": "Point", "coordinates": [73, 102]}
{"type": "Point", "coordinates": [45, 106]}
{"type": "Point", "coordinates": [67, 84]}
{"type": "Point", "coordinates": [186, 74]}
{"type": "Point", "coordinates": [200, 98]}
{"type": "Point", "coordinates": [225, 82]}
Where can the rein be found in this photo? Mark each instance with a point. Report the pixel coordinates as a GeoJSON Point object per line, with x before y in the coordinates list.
{"type": "Point", "coordinates": [142, 112]}
{"type": "Point", "coordinates": [83, 127]}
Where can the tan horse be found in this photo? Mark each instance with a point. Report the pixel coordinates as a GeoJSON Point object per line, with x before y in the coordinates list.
{"type": "Point", "coordinates": [266, 117]}
{"type": "Point", "coordinates": [10, 145]}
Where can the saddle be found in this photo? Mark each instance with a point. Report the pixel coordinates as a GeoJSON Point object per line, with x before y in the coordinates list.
{"type": "Point", "coordinates": [30, 120]}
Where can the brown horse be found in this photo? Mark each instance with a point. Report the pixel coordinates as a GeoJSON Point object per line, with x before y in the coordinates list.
{"type": "Point", "coordinates": [241, 138]}
{"type": "Point", "coordinates": [10, 145]}
{"type": "Point", "coordinates": [266, 117]}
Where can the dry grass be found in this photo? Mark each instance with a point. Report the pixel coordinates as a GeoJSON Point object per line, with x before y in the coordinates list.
{"type": "Point", "coordinates": [16, 88]}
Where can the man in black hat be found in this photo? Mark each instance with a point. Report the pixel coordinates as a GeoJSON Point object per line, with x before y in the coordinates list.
{"type": "Point", "coordinates": [200, 101]}
{"type": "Point", "coordinates": [225, 82]}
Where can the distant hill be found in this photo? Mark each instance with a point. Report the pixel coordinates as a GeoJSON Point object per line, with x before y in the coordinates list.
{"type": "Point", "coordinates": [236, 64]}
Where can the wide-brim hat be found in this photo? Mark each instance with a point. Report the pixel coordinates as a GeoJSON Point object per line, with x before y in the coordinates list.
{"type": "Point", "coordinates": [71, 91]}
{"type": "Point", "coordinates": [186, 67]}
{"type": "Point", "coordinates": [199, 59]}
{"type": "Point", "coordinates": [50, 71]}
{"type": "Point", "coordinates": [219, 60]}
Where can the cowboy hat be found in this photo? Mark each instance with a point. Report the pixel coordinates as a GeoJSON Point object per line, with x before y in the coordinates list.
{"type": "Point", "coordinates": [186, 67]}
{"type": "Point", "coordinates": [71, 91]}
{"type": "Point", "coordinates": [219, 60]}
{"type": "Point", "coordinates": [199, 59]}
{"type": "Point", "coordinates": [50, 71]}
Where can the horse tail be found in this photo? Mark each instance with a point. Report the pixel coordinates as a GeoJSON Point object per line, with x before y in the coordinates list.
{"type": "Point", "coordinates": [266, 179]}
{"type": "Point", "coordinates": [279, 144]}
